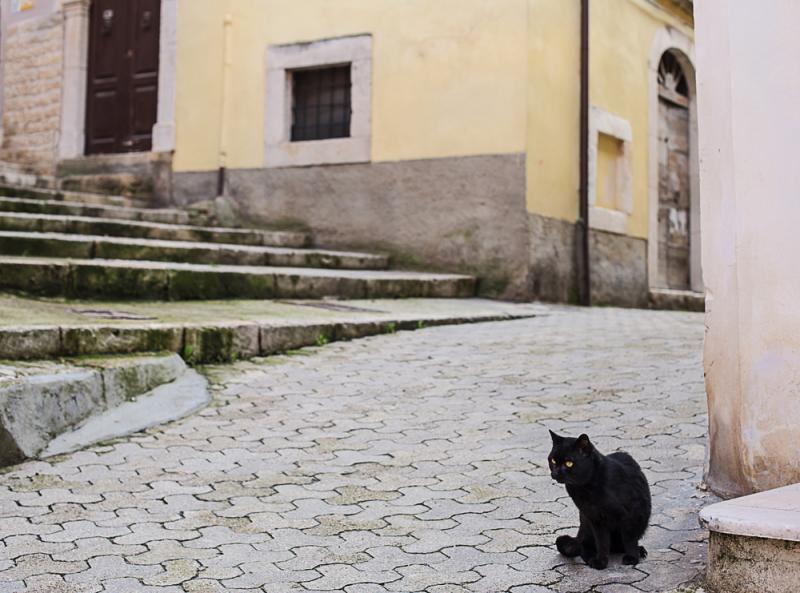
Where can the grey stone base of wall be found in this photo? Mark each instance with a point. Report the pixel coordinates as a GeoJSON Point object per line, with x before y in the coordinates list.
{"type": "Point", "coordinates": [463, 214]}
{"type": "Point", "coordinates": [618, 264]}
{"type": "Point", "coordinates": [143, 175]}
{"type": "Point", "coordinates": [739, 564]}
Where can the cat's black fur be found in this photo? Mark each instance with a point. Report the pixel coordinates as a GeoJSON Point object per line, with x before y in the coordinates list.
{"type": "Point", "coordinates": [613, 498]}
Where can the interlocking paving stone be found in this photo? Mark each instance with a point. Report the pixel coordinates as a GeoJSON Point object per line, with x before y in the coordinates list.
{"type": "Point", "coordinates": [410, 462]}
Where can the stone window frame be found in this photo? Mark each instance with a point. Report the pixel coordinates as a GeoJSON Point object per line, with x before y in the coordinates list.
{"type": "Point", "coordinates": [607, 219]}
{"type": "Point", "coordinates": [72, 137]}
{"type": "Point", "coordinates": [279, 151]}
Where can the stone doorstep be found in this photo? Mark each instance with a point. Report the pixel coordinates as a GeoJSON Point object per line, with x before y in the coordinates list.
{"type": "Point", "coordinates": [209, 343]}
{"type": "Point", "coordinates": [754, 542]}
{"type": "Point", "coordinates": [41, 404]}
{"type": "Point", "coordinates": [43, 206]}
{"type": "Point", "coordinates": [773, 514]}
{"type": "Point", "coordinates": [124, 248]}
{"type": "Point", "coordinates": [677, 300]}
{"type": "Point", "coordinates": [88, 225]}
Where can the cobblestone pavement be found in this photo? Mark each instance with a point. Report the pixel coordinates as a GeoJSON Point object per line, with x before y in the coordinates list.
{"type": "Point", "coordinates": [408, 462]}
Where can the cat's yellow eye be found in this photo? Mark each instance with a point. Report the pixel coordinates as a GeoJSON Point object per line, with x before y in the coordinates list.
{"type": "Point", "coordinates": [569, 464]}
{"type": "Point", "coordinates": [553, 461]}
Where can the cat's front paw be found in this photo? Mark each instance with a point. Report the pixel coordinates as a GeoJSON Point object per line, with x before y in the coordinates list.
{"type": "Point", "coordinates": [598, 562]}
{"type": "Point", "coordinates": [568, 546]}
{"type": "Point", "coordinates": [630, 560]}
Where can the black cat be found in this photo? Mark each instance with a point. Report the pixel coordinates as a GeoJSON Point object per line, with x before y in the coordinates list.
{"type": "Point", "coordinates": [613, 498]}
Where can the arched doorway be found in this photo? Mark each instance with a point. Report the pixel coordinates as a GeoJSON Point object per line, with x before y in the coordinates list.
{"type": "Point", "coordinates": [674, 247]}
{"type": "Point", "coordinates": [674, 176]}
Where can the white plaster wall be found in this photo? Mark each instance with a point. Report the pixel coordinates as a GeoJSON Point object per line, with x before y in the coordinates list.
{"type": "Point", "coordinates": [748, 94]}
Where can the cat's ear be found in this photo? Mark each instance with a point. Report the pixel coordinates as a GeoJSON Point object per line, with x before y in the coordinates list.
{"type": "Point", "coordinates": [557, 440]}
{"type": "Point", "coordinates": [584, 445]}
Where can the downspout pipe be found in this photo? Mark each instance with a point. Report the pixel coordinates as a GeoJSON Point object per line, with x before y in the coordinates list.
{"type": "Point", "coordinates": [227, 63]}
{"type": "Point", "coordinates": [583, 265]}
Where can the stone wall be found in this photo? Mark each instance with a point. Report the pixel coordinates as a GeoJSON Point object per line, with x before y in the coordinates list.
{"type": "Point", "coordinates": [618, 264]}
{"type": "Point", "coordinates": [32, 80]}
{"type": "Point", "coordinates": [461, 214]}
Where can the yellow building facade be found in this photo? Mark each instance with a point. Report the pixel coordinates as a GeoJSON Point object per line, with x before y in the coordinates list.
{"type": "Point", "coordinates": [463, 152]}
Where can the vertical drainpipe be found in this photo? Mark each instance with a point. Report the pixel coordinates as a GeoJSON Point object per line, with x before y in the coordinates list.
{"type": "Point", "coordinates": [582, 248]}
{"type": "Point", "coordinates": [223, 119]}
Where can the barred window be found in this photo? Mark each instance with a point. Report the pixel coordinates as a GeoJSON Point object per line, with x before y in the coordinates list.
{"type": "Point", "coordinates": [321, 103]}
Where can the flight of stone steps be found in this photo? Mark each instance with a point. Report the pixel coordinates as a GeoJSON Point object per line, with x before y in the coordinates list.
{"type": "Point", "coordinates": [93, 246]}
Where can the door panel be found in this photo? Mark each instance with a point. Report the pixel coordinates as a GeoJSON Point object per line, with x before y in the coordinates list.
{"type": "Point", "coordinates": [674, 197]}
{"type": "Point", "coordinates": [122, 97]}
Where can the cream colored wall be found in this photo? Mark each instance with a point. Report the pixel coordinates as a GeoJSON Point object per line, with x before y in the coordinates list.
{"type": "Point", "coordinates": [749, 89]}
{"type": "Point", "coordinates": [449, 76]}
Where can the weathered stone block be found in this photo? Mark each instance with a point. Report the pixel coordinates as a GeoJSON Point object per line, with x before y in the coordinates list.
{"type": "Point", "coordinates": [741, 564]}
{"type": "Point", "coordinates": [34, 410]}
{"type": "Point", "coordinates": [127, 377]}
{"type": "Point", "coordinates": [80, 341]}
{"type": "Point", "coordinates": [276, 339]}
{"type": "Point", "coordinates": [221, 343]}
{"type": "Point", "coordinates": [22, 343]}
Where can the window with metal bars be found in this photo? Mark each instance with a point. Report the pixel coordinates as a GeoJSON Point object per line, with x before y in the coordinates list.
{"type": "Point", "coordinates": [321, 103]}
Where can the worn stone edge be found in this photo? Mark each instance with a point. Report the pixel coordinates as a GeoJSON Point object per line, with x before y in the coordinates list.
{"type": "Point", "coordinates": [166, 403]}
{"type": "Point", "coordinates": [210, 343]}
{"type": "Point", "coordinates": [91, 388]}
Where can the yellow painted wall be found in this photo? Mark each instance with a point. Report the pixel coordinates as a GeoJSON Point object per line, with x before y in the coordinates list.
{"type": "Point", "coordinates": [450, 78]}
{"type": "Point", "coordinates": [448, 75]}
{"type": "Point", "coordinates": [621, 41]}
{"type": "Point", "coordinates": [621, 38]}
{"type": "Point", "coordinates": [553, 107]}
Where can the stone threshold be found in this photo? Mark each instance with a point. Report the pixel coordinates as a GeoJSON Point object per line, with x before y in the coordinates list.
{"type": "Point", "coordinates": [677, 300]}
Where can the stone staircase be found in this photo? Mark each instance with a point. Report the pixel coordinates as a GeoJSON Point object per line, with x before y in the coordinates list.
{"type": "Point", "coordinates": [92, 246]}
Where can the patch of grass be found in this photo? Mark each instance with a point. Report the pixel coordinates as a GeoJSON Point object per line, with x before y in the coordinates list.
{"type": "Point", "coordinates": [391, 327]}
{"type": "Point", "coordinates": [188, 354]}
{"type": "Point", "coordinates": [322, 340]}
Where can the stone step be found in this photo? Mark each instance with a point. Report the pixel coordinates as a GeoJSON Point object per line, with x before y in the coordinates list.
{"type": "Point", "coordinates": [43, 193]}
{"type": "Point", "coordinates": [41, 400]}
{"type": "Point", "coordinates": [144, 280]}
{"type": "Point", "coordinates": [42, 206]}
{"type": "Point", "coordinates": [122, 248]}
{"type": "Point", "coordinates": [754, 542]}
{"type": "Point", "coordinates": [86, 225]}
{"type": "Point", "coordinates": [220, 331]}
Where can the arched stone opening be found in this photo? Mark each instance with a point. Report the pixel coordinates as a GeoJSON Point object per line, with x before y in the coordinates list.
{"type": "Point", "coordinates": [674, 250]}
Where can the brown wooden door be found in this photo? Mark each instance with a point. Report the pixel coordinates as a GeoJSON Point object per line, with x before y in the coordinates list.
{"type": "Point", "coordinates": [123, 75]}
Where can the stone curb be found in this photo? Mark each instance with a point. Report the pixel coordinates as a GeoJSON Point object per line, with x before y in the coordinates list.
{"type": "Point", "coordinates": [209, 343]}
{"type": "Point", "coordinates": [37, 408]}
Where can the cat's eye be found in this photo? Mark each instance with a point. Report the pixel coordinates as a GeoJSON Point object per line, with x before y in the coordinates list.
{"type": "Point", "coordinates": [553, 461]}
{"type": "Point", "coordinates": [569, 464]}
